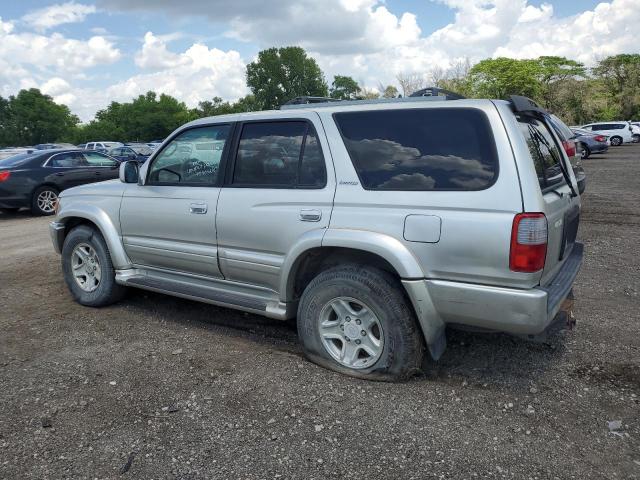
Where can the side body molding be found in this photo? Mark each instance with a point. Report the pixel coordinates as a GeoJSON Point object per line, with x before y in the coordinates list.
{"type": "Point", "coordinates": [104, 222]}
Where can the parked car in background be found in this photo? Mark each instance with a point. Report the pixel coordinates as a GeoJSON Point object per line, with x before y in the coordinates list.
{"type": "Point", "coordinates": [52, 146]}
{"type": "Point", "coordinates": [138, 152]}
{"type": "Point", "coordinates": [155, 143]}
{"type": "Point", "coordinates": [590, 142]}
{"type": "Point", "coordinates": [619, 132]}
{"type": "Point", "coordinates": [82, 146]}
{"type": "Point", "coordinates": [35, 179]}
{"type": "Point", "coordinates": [372, 223]}
{"type": "Point", "coordinates": [635, 131]}
{"type": "Point", "coordinates": [10, 152]}
{"type": "Point", "coordinates": [571, 148]}
{"type": "Point", "coordinates": [103, 146]}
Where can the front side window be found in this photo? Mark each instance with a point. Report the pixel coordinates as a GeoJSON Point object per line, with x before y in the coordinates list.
{"type": "Point", "coordinates": [95, 159]}
{"type": "Point", "coordinates": [420, 149]}
{"type": "Point", "coordinates": [279, 155]}
{"type": "Point", "coordinates": [192, 158]}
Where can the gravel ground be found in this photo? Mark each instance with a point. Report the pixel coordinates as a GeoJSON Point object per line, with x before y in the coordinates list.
{"type": "Point", "coordinates": [158, 387]}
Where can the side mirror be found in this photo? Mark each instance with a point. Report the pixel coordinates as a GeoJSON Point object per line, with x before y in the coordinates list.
{"type": "Point", "coordinates": [129, 172]}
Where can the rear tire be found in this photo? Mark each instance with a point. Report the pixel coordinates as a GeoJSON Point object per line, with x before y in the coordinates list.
{"type": "Point", "coordinates": [616, 141]}
{"type": "Point", "coordinates": [357, 321]}
{"type": "Point", "coordinates": [636, 138]}
{"type": "Point", "coordinates": [586, 153]}
{"type": "Point", "coordinates": [44, 200]}
{"type": "Point", "coordinates": [87, 267]}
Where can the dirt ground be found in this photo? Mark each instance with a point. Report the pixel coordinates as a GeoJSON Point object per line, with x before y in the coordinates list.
{"type": "Point", "coordinates": [158, 387]}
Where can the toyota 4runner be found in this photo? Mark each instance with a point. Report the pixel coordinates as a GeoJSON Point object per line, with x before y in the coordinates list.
{"type": "Point", "coordinates": [375, 223]}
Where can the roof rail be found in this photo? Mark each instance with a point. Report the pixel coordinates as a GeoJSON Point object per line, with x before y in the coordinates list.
{"type": "Point", "coordinates": [290, 106]}
{"type": "Point", "coordinates": [305, 99]}
{"type": "Point", "coordinates": [437, 92]}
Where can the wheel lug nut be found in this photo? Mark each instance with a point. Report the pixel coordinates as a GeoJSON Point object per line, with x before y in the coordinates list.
{"type": "Point", "coordinates": [348, 319]}
{"type": "Point", "coordinates": [341, 327]}
{"type": "Point", "coordinates": [358, 322]}
{"type": "Point", "coordinates": [347, 339]}
{"type": "Point", "coordinates": [357, 342]}
{"type": "Point", "coordinates": [364, 334]}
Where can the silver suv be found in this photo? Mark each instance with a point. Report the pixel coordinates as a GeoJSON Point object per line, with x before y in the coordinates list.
{"type": "Point", "coordinates": [375, 223]}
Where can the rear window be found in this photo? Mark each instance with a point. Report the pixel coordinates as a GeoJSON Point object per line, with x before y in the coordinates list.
{"type": "Point", "coordinates": [16, 160]}
{"type": "Point", "coordinates": [420, 149]}
{"type": "Point", "coordinates": [544, 151]}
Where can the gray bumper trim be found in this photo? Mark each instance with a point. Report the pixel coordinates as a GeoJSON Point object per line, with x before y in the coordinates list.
{"type": "Point", "coordinates": [56, 231]}
{"type": "Point", "coordinates": [558, 289]}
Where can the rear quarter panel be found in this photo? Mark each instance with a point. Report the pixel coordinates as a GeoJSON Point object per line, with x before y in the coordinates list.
{"type": "Point", "coordinates": [474, 241]}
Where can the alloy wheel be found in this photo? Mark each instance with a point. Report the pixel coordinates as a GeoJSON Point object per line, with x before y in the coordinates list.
{"type": "Point", "coordinates": [85, 266]}
{"type": "Point", "coordinates": [47, 200]}
{"type": "Point", "coordinates": [351, 333]}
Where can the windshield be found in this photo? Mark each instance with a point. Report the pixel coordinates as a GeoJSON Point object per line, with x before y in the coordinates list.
{"type": "Point", "coordinates": [142, 150]}
{"type": "Point", "coordinates": [15, 160]}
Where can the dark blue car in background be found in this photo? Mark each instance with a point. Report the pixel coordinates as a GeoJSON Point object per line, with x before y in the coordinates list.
{"type": "Point", "coordinates": [138, 152]}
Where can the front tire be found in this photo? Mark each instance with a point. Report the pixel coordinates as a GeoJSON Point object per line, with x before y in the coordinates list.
{"type": "Point", "coordinates": [616, 141]}
{"type": "Point", "coordinates": [44, 200]}
{"type": "Point", "coordinates": [356, 320]}
{"type": "Point", "coordinates": [88, 271]}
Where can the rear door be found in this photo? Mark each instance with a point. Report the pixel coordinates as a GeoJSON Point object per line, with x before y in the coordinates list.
{"type": "Point", "coordinates": [100, 167]}
{"type": "Point", "coordinates": [280, 186]}
{"type": "Point", "coordinates": [561, 209]}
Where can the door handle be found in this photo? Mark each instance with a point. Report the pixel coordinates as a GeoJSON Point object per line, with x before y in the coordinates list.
{"type": "Point", "coordinates": [59, 174]}
{"type": "Point", "coordinates": [198, 208]}
{"type": "Point", "coordinates": [310, 215]}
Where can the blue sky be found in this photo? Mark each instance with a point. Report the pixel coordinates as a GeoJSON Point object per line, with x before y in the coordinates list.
{"type": "Point", "coordinates": [87, 53]}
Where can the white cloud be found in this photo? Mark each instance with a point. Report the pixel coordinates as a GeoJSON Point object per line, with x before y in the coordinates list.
{"type": "Point", "coordinates": [58, 14]}
{"type": "Point", "coordinates": [155, 56]}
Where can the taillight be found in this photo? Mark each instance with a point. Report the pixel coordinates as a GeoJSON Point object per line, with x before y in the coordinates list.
{"type": "Point", "coordinates": [4, 175]}
{"type": "Point", "coordinates": [528, 242]}
{"type": "Point", "coordinates": [569, 147]}
{"type": "Point", "coordinates": [600, 138]}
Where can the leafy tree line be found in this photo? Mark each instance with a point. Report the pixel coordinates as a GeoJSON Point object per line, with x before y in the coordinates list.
{"type": "Point", "coordinates": [610, 90]}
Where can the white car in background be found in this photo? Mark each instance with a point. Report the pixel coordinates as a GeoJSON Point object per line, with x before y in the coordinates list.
{"type": "Point", "coordinates": [103, 146]}
{"type": "Point", "coordinates": [619, 132]}
{"type": "Point", "coordinates": [635, 131]}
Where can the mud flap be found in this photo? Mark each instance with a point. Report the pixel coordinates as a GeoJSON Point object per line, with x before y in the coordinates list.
{"type": "Point", "coordinates": [432, 326]}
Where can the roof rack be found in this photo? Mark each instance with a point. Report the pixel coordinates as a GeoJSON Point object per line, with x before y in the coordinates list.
{"type": "Point", "coordinates": [437, 92]}
{"type": "Point", "coordinates": [372, 101]}
{"type": "Point", "coordinates": [305, 99]}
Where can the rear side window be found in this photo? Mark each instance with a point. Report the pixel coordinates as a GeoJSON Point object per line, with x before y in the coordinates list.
{"type": "Point", "coordinates": [544, 151]}
{"type": "Point", "coordinates": [420, 149]}
{"type": "Point", "coordinates": [279, 155]}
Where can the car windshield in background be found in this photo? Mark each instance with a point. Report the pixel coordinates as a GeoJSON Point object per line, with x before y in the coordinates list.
{"type": "Point", "coordinates": [142, 150]}
{"type": "Point", "coordinates": [544, 152]}
{"type": "Point", "coordinates": [564, 132]}
{"type": "Point", "coordinates": [421, 149]}
{"type": "Point", "coordinates": [15, 160]}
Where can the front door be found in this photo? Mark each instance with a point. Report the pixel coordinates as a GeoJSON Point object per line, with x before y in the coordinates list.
{"type": "Point", "coordinates": [279, 187]}
{"type": "Point", "coordinates": [169, 222]}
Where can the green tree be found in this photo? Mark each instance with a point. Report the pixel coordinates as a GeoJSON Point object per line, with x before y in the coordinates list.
{"type": "Point", "coordinates": [620, 76]}
{"type": "Point", "coordinates": [554, 73]}
{"type": "Point", "coordinates": [217, 106]}
{"type": "Point", "coordinates": [31, 117]}
{"type": "Point", "coordinates": [390, 92]}
{"type": "Point", "coordinates": [344, 88]}
{"type": "Point", "coordinates": [501, 77]}
{"type": "Point", "coordinates": [280, 74]}
{"type": "Point", "coordinates": [147, 117]}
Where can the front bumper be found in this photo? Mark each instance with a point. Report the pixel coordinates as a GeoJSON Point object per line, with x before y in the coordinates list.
{"type": "Point", "coordinates": [521, 312]}
{"type": "Point", "coordinates": [56, 231]}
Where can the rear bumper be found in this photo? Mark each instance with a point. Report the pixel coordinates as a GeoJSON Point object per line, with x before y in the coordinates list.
{"type": "Point", "coordinates": [599, 148]}
{"type": "Point", "coordinates": [521, 312]}
{"type": "Point", "coordinates": [56, 231]}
